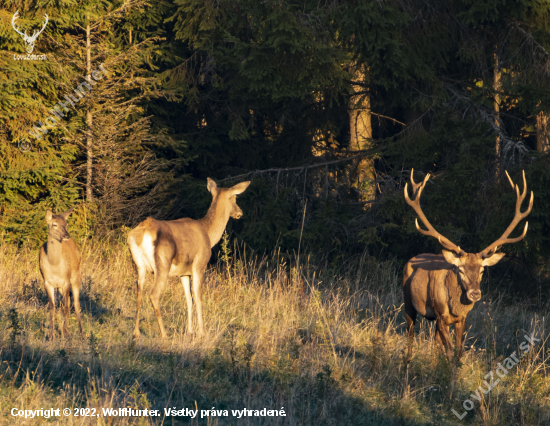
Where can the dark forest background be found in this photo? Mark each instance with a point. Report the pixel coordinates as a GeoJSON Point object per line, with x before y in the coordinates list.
{"type": "Point", "coordinates": [325, 106]}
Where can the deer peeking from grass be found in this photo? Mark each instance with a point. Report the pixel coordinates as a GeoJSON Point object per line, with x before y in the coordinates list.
{"type": "Point", "coordinates": [59, 260]}
{"type": "Point", "coordinates": [444, 287]}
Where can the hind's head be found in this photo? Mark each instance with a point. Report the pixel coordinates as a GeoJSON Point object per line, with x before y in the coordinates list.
{"type": "Point", "coordinates": [228, 197]}
{"type": "Point", "coordinates": [57, 225]}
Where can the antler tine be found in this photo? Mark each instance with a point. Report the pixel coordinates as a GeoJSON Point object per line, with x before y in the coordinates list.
{"type": "Point", "coordinates": [36, 33]}
{"type": "Point", "coordinates": [417, 189]}
{"type": "Point", "coordinates": [13, 19]}
{"type": "Point", "coordinates": [45, 23]}
{"type": "Point", "coordinates": [509, 179]}
{"type": "Point", "coordinates": [518, 217]}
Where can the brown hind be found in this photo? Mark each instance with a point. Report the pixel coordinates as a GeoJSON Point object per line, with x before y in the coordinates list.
{"type": "Point", "coordinates": [59, 261]}
{"type": "Point", "coordinates": [181, 248]}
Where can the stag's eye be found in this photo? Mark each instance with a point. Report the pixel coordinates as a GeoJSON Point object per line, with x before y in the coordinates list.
{"type": "Point", "coordinates": [55, 224]}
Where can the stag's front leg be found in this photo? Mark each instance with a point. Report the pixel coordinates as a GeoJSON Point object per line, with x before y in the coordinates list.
{"type": "Point", "coordinates": [411, 319]}
{"type": "Point", "coordinates": [459, 333]}
{"type": "Point", "coordinates": [443, 332]}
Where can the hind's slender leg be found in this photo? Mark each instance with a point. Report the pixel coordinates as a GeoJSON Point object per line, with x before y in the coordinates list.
{"type": "Point", "coordinates": [75, 286]}
{"type": "Point", "coordinates": [198, 278]}
{"type": "Point", "coordinates": [66, 310]}
{"type": "Point", "coordinates": [51, 302]}
{"type": "Point", "coordinates": [187, 289]}
{"type": "Point", "coordinates": [76, 297]}
{"type": "Point", "coordinates": [139, 291]}
{"type": "Point", "coordinates": [163, 260]}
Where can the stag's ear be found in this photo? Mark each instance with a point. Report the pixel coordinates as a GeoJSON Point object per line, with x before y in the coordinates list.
{"type": "Point", "coordinates": [493, 260]}
{"type": "Point", "coordinates": [212, 187]}
{"type": "Point", "coordinates": [452, 258]}
{"type": "Point", "coordinates": [65, 215]}
{"type": "Point", "coordinates": [49, 215]}
{"type": "Point", "coordinates": [240, 188]}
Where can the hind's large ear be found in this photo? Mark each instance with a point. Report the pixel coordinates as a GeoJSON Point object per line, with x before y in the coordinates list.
{"type": "Point", "coordinates": [66, 214]}
{"type": "Point", "coordinates": [49, 215]}
{"type": "Point", "coordinates": [240, 188]}
{"type": "Point", "coordinates": [212, 187]}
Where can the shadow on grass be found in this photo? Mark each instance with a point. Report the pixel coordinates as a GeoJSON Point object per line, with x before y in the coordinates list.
{"type": "Point", "coordinates": [142, 377]}
{"type": "Point", "coordinates": [33, 293]}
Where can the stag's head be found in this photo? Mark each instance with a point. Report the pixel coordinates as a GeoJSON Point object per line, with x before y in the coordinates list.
{"type": "Point", "coordinates": [57, 225]}
{"type": "Point", "coordinates": [469, 267]}
{"type": "Point", "coordinates": [228, 197]}
{"type": "Point", "coordinates": [29, 40]}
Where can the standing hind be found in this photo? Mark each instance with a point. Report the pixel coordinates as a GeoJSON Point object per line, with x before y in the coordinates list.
{"type": "Point", "coordinates": [59, 260]}
{"type": "Point", "coordinates": [181, 248]}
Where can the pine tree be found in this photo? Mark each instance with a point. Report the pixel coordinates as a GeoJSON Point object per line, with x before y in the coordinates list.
{"type": "Point", "coordinates": [35, 173]}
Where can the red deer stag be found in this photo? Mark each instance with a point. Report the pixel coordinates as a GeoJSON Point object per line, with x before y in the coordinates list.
{"type": "Point", "coordinates": [59, 260]}
{"type": "Point", "coordinates": [181, 248]}
{"type": "Point", "coordinates": [444, 287]}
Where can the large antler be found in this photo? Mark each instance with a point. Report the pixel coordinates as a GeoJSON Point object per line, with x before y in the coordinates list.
{"type": "Point", "coordinates": [417, 191]}
{"type": "Point", "coordinates": [13, 19]}
{"type": "Point", "coordinates": [489, 251]}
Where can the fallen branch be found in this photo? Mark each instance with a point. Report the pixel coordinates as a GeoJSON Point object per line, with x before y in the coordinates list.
{"type": "Point", "coordinates": [305, 167]}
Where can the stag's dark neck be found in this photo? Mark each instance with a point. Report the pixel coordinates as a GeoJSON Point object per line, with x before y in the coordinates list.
{"type": "Point", "coordinates": [459, 303]}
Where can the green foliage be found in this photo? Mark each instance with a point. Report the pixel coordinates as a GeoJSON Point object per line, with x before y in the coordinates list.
{"type": "Point", "coordinates": [224, 88]}
{"type": "Point", "coordinates": [373, 32]}
{"type": "Point", "coordinates": [31, 181]}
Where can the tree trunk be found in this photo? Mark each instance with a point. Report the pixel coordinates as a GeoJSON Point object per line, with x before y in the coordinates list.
{"type": "Point", "coordinates": [542, 132]}
{"type": "Point", "coordinates": [497, 87]}
{"type": "Point", "coordinates": [89, 121]}
{"type": "Point", "coordinates": [361, 136]}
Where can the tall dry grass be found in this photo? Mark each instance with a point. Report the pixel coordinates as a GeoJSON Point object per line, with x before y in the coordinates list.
{"type": "Point", "coordinates": [326, 345]}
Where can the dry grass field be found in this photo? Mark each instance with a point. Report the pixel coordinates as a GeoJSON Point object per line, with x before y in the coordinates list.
{"type": "Point", "coordinates": [326, 346]}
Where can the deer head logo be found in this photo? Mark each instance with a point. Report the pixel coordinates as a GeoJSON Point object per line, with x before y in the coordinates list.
{"type": "Point", "coordinates": [29, 40]}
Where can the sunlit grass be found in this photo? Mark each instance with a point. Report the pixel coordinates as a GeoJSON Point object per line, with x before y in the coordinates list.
{"type": "Point", "coordinates": [327, 347]}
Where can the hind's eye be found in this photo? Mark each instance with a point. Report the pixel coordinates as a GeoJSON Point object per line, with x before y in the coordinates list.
{"type": "Point", "coordinates": [55, 224]}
